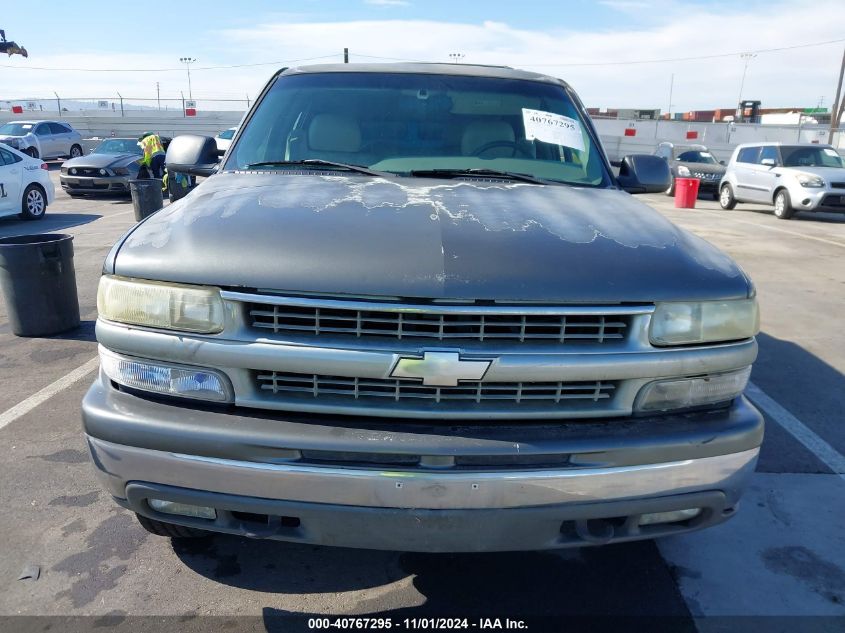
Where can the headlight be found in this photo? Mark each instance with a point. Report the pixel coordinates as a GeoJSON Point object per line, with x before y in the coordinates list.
{"type": "Point", "coordinates": [684, 393]}
{"type": "Point", "coordinates": [683, 171]}
{"type": "Point", "coordinates": [121, 171]}
{"type": "Point", "coordinates": [166, 379]}
{"type": "Point", "coordinates": [160, 305]}
{"type": "Point", "coordinates": [704, 322]}
{"type": "Point", "coordinates": [808, 180]}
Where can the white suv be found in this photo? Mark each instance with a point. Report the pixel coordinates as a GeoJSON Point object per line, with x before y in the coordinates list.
{"type": "Point", "coordinates": [791, 177]}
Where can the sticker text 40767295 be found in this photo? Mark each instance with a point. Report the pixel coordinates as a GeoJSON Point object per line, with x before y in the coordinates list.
{"type": "Point", "coordinates": [552, 128]}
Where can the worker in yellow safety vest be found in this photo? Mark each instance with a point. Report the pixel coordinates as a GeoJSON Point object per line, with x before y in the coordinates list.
{"type": "Point", "coordinates": [153, 158]}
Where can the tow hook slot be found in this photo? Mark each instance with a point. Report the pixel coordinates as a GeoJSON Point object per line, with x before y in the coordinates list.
{"type": "Point", "coordinates": [598, 531]}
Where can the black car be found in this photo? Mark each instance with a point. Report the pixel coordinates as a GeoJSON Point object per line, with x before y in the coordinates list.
{"type": "Point", "coordinates": [107, 169]}
{"type": "Point", "coordinates": [692, 161]}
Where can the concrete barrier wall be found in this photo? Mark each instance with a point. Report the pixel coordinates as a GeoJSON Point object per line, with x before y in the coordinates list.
{"type": "Point", "coordinates": [642, 136]}
{"type": "Point", "coordinates": [134, 122]}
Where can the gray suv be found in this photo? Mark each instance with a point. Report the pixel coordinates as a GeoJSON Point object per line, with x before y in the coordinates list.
{"type": "Point", "coordinates": [42, 139]}
{"type": "Point", "coordinates": [413, 309]}
{"type": "Point", "coordinates": [790, 177]}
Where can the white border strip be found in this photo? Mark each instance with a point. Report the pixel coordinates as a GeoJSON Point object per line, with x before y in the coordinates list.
{"type": "Point", "coordinates": [22, 408]}
{"type": "Point", "coordinates": [800, 431]}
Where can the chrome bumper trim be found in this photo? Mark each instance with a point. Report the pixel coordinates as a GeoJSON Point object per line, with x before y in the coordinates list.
{"type": "Point", "coordinates": [119, 465]}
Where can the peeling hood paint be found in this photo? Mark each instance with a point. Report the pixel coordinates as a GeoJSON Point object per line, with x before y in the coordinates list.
{"type": "Point", "coordinates": [426, 238]}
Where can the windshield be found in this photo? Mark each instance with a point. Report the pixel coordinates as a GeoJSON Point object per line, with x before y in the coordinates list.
{"type": "Point", "coordinates": [227, 134]}
{"type": "Point", "coordinates": [16, 129]}
{"type": "Point", "coordinates": [697, 156]}
{"type": "Point", "coordinates": [118, 146]}
{"type": "Point", "coordinates": [802, 156]}
{"type": "Point", "coordinates": [402, 123]}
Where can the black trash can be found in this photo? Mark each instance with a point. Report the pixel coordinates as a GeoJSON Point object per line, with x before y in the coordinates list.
{"type": "Point", "coordinates": [38, 282]}
{"type": "Point", "coordinates": [178, 185]}
{"type": "Point", "coordinates": [146, 197]}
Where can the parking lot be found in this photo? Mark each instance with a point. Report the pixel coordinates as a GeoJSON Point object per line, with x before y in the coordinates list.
{"type": "Point", "coordinates": [783, 555]}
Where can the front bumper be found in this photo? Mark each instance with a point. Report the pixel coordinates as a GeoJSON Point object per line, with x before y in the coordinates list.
{"type": "Point", "coordinates": [105, 184]}
{"type": "Point", "coordinates": [387, 484]}
{"type": "Point", "coordinates": [817, 199]}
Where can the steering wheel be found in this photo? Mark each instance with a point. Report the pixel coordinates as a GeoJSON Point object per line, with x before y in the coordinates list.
{"type": "Point", "coordinates": [494, 144]}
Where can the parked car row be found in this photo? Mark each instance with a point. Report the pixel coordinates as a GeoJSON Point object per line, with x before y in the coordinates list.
{"type": "Point", "coordinates": [790, 177]}
{"type": "Point", "coordinates": [42, 139]}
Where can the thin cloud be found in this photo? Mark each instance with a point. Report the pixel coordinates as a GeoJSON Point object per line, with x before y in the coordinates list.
{"type": "Point", "coordinates": [388, 3]}
{"type": "Point", "coordinates": [625, 5]}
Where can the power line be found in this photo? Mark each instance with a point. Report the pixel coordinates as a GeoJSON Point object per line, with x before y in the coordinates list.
{"type": "Point", "coordinates": [642, 61]}
{"type": "Point", "coordinates": [166, 70]}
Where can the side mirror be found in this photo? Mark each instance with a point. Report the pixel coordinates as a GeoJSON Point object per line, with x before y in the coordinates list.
{"type": "Point", "coordinates": [643, 173]}
{"type": "Point", "coordinates": [192, 154]}
{"type": "Point", "coordinates": [768, 162]}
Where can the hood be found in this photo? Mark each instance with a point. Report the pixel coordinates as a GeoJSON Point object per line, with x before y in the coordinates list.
{"type": "Point", "coordinates": [830, 174]}
{"type": "Point", "coordinates": [425, 238]}
{"type": "Point", "coordinates": [100, 161]}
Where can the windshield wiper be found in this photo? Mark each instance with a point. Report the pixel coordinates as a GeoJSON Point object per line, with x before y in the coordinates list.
{"type": "Point", "coordinates": [318, 162]}
{"type": "Point", "coordinates": [495, 173]}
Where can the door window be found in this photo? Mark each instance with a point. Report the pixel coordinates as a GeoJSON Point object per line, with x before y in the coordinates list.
{"type": "Point", "coordinates": [769, 152]}
{"type": "Point", "coordinates": [7, 158]}
{"type": "Point", "coordinates": [748, 155]}
{"type": "Point", "coordinates": [58, 128]}
{"type": "Point", "coordinates": [43, 130]}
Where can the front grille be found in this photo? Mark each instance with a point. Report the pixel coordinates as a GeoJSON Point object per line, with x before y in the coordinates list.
{"type": "Point", "coordinates": [319, 387]}
{"type": "Point", "coordinates": [705, 175]}
{"type": "Point", "coordinates": [420, 324]}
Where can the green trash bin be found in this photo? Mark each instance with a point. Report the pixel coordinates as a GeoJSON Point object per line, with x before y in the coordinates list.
{"type": "Point", "coordinates": [38, 282]}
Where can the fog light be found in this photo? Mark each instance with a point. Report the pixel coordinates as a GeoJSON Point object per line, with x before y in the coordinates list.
{"type": "Point", "coordinates": [683, 393]}
{"type": "Point", "coordinates": [674, 516]}
{"type": "Point", "coordinates": [170, 380]}
{"type": "Point", "coordinates": [182, 509]}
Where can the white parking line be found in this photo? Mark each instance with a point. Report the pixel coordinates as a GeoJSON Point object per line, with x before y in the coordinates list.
{"type": "Point", "coordinates": [775, 228]}
{"type": "Point", "coordinates": [22, 408]}
{"type": "Point", "coordinates": [800, 431]}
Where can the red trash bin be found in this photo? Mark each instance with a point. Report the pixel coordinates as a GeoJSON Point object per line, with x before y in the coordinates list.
{"type": "Point", "coordinates": [686, 192]}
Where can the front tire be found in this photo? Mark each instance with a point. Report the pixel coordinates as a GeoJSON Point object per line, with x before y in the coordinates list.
{"type": "Point", "coordinates": [75, 151]}
{"type": "Point", "coordinates": [159, 528]}
{"type": "Point", "coordinates": [783, 205]}
{"type": "Point", "coordinates": [31, 152]}
{"type": "Point", "coordinates": [726, 197]}
{"type": "Point", "coordinates": [33, 203]}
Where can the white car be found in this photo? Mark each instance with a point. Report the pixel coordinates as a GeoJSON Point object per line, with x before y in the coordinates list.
{"type": "Point", "coordinates": [224, 139]}
{"type": "Point", "coordinates": [42, 139]}
{"type": "Point", "coordinates": [25, 185]}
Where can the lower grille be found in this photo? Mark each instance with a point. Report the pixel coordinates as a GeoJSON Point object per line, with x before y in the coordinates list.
{"type": "Point", "coordinates": [319, 387]}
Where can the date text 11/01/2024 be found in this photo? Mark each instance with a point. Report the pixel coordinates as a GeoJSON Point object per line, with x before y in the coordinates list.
{"type": "Point", "coordinates": [417, 623]}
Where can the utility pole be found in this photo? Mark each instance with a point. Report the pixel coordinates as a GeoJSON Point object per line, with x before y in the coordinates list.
{"type": "Point", "coordinates": [158, 95]}
{"type": "Point", "coordinates": [836, 110]}
{"type": "Point", "coordinates": [59, 102]}
{"type": "Point", "coordinates": [345, 55]}
{"type": "Point", "coordinates": [747, 57]}
{"type": "Point", "coordinates": [247, 101]}
{"type": "Point", "coordinates": [188, 61]}
{"type": "Point", "coordinates": [671, 85]}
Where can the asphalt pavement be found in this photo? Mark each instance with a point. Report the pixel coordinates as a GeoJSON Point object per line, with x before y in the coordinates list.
{"type": "Point", "coordinates": [782, 555]}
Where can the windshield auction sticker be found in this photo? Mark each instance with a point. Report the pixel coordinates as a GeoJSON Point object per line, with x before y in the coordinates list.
{"type": "Point", "coordinates": [552, 128]}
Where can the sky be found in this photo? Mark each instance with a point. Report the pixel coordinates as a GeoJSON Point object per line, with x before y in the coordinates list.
{"type": "Point", "coordinates": [596, 46]}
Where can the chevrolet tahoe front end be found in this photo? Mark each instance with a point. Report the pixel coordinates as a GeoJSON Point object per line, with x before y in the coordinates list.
{"type": "Point", "coordinates": [466, 354]}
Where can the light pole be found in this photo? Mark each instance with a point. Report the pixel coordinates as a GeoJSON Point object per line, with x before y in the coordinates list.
{"type": "Point", "coordinates": [188, 61]}
{"type": "Point", "coordinates": [747, 57]}
{"type": "Point", "coordinates": [456, 57]}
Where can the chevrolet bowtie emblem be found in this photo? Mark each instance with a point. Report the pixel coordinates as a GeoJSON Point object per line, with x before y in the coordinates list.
{"type": "Point", "coordinates": [440, 369]}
